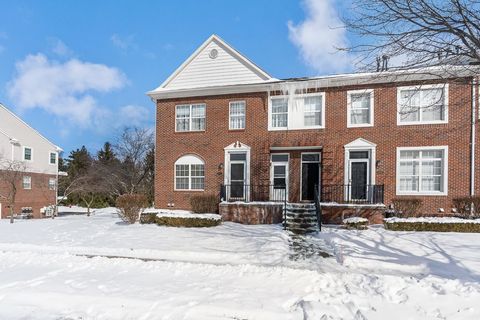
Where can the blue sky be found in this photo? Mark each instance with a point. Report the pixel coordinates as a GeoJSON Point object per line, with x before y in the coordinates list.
{"type": "Point", "coordinates": [77, 71]}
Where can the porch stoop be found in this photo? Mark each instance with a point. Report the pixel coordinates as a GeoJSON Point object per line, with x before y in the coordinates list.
{"type": "Point", "coordinates": [301, 218]}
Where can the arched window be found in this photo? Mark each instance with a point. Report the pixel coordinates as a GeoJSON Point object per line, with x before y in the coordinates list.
{"type": "Point", "coordinates": [189, 173]}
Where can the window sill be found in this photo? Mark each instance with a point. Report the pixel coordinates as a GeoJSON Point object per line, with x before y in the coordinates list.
{"type": "Point", "coordinates": [360, 125]}
{"type": "Point", "coordinates": [189, 190]}
{"type": "Point", "coordinates": [420, 123]}
{"type": "Point", "coordinates": [299, 129]}
{"type": "Point", "coordinates": [427, 194]}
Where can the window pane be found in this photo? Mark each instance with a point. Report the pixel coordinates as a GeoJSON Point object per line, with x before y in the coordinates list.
{"type": "Point", "coordinates": [431, 183]}
{"type": "Point", "coordinates": [183, 111]}
{"type": "Point", "coordinates": [198, 124]}
{"type": "Point", "coordinates": [237, 115]}
{"type": "Point", "coordinates": [358, 154]}
{"type": "Point", "coordinates": [279, 120]}
{"type": "Point", "coordinates": [421, 171]}
{"type": "Point", "coordinates": [409, 168]}
{"type": "Point", "coordinates": [279, 170]}
{"type": "Point", "coordinates": [279, 105]}
{"type": "Point", "coordinates": [183, 124]}
{"type": "Point", "coordinates": [238, 156]}
{"type": "Point", "coordinates": [409, 154]}
{"type": "Point", "coordinates": [53, 158]}
{"type": "Point", "coordinates": [360, 101]}
{"type": "Point", "coordinates": [409, 184]}
{"type": "Point", "coordinates": [433, 113]}
{"type": "Point", "coordinates": [28, 154]}
{"type": "Point", "coordinates": [182, 170]}
{"type": "Point", "coordinates": [198, 110]}
{"type": "Point", "coordinates": [198, 183]}
{"type": "Point", "coordinates": [360, 116]}
{"type": "Point", "coordinates": [279, 157]}
{"type": "Point", "coordinates": [311, 157]}
{"type": "Point", "coordinates": [181, 183]}
{"type": "Point", "coordinates": [312, 104]}
{"type": "Point", "coordinates": [312, 119]}
{"type": "Point", "coordinates": [197, 170]}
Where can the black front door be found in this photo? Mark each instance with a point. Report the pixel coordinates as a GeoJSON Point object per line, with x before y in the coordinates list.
{"type": "Point", "coordinates": [310, 179]}
{"type": "Point", "coordinates": [359, 180]}
{"type": "Point", "coordinates": [237, 180]}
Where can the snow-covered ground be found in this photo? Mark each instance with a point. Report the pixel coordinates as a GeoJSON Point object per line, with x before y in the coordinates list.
{"type": "Point", "coordinates": [79, 267]}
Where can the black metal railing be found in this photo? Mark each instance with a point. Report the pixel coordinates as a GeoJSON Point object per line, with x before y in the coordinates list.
{"type": "Point", "coordinates": [355, 194]}
{"type": "Point", "coordinates": [253, 192]}
{"type": "Point", "coordinates": [318, 207]}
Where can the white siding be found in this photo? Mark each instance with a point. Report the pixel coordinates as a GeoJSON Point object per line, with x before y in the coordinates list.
{"type": "Point", "coordinates": [15, 128]}
{"type": "Point", "coordinates": [226, 69]}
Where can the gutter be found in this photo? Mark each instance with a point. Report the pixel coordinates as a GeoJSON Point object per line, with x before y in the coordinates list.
{"type": "Point", "coordinates": [472, 142]}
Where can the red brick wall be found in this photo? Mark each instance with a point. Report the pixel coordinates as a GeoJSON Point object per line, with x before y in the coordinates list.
{"type": "Point", "coordinates": [210, 144]}
{"type": "Point", "coordinates": [37, 197]}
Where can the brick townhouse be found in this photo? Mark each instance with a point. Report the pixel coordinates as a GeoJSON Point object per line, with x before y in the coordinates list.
{"type": "Point", "coordinates": [226, 127]}
{"type": "Point", "coordinates": [35, 159]}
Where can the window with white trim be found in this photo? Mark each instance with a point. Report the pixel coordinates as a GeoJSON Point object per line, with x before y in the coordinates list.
{"type": "Point", "coordinates": [53, 158]}
{"type": "Point", "coordinates": [189, 173]}
{"type": "Point", "coordinates": [312, 111]}
{"type": "Point", "coordinates": [27, 182]}
{"type": "Point", "coordinates": [360, 108]}
{"type": "Point", "coordinates": [27, 154]}
{"type": "Point", "coordinates": [422, 104]}
{"type": "Point", "coordinates": [52, 183]}
{"type": "Point", "coordinates": [237, 115]}
{"type": "Point", "coordinates": [190, 117]}
{"type": "Point", "coordinates": [279, 112]}
{"type": "Point", "coordinates": [421, 170]}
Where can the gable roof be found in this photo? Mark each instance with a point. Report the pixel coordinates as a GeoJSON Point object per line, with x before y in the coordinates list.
{"type": "Point", "coordinates": [214, 63]}
{"type": "Point", "coordinates": [57, 148]}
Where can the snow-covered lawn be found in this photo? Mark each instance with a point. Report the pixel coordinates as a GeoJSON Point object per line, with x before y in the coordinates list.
{"type": "Point", "coordinates": [70, 268]}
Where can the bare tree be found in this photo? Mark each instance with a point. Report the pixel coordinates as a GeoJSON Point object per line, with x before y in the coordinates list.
{"type": "Point", "coordinates": [131, 172]}
{"type": "Point", "coordinates": [419, 33]}
{"type": "Point", "coordinates": [11, 175]}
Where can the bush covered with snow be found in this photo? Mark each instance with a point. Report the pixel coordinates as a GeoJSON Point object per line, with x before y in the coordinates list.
{"type": "Point", "coordinates": [432, 224]}
{"type": "Point", "coordinates": [358, 223]}
{"type": "Point", "coordinates": [406, 207]}
{"type": "Point", "coordinates": [467, 206]}
{"type": "Point", "coordinates": [131, 205]}
{"type": "Point", "coordinates": [205, 203]}
{"type": "Point", "coordinates": [180, 218]}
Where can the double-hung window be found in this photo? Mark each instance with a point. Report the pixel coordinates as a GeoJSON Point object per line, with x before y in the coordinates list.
{"type": "Point", "coordinates": [422, 104]}
{"type": "Point", "coordinates": [190, 117]}
{"type": "Point", "coordinates": [27, 182]}
{"type": "Point", "coordinates": [237, 115]}
{"type": "Point", "coordinates": [53, 158]}
{"type": "Point", "coordinates": [52, 183]}
{"type": "Point", "coordinates": [422, 170]}
{"type": "Point", "coordinates": [27, 154]}
{"type": "Point", "coordinates": [189, 173]}
{"type": "Point", "coordinates": [279, 113]}
{"type": "Point", "coordinates": [312, 111]}
{"type": "Point", "coordinates": [360, 108]}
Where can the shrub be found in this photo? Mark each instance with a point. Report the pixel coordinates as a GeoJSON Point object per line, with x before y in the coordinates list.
{"type": "Point", "coordinates": [187, 222]}
{"type": "Point", "coordinates": [131, 205]}
{"type": "Point", "coordinates": [148, 217]}
{"type": "Point", "coordinates": [207, 203]}
{"type": "Point", "coordinates": [406, 207]}
{"type": "Point", "coordinates": [437, 227]}
{"type": "Point", "coordinates": [356, 223]}
{"type": "Point", "coordinates": [463, 204]}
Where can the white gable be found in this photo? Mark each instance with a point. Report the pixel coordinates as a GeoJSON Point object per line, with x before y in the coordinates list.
{"type": "Point", "coordinates": [360, 143]}
{"type": "Point", "coordinates": [214, 63]}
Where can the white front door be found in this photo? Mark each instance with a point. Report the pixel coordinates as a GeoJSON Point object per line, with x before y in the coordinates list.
{"type": "Point", "coordinates": [279, 180]}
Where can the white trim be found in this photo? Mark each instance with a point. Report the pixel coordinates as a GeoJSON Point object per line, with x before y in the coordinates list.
{"type": "Point", "coordinates": [295, 114]}
{"type": "Point", "coordinates": [30, 182]}
{"type": "Point", "coordinates": [423, 193]}
{"type": "Point", "coordinates": [236, 147]}
{"type": "Point", "coordinates": [301, 169]}
{"type": "Point", "coordinates": [361, 144]}
{"type": "Point", "coordinates": [23, 153]}
{"type": "Point", "coordinates": [371, 92]}
{"type": "Point", "coordinates": [188, 159]}
{"type": "Point", "coordinates": [244, 115]}
{"type": "Point", "coordinates": [56, 158]}
{"type": "Point", "coordinates": [190, 105]}
{"type": "Point", "coordinates": [227, 47]}
{"type": "Point", "coordinates": [296, 148]}
{"type": "Point", "coordinates": [445, 88]}
{"type": "Point", "coordinates": [287, 173]}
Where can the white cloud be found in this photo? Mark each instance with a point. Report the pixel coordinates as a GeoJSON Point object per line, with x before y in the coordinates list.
{"type": "Point", "coordinates": [123, 43]}
{"type": "Point", "coordinates": [64, 89]}
{"type": "Point", "coordinates": [59, 47]}
{"type": "Point", "coordinates": [319, 36]}
{"type": "Point", "coordinates": [135, 116]}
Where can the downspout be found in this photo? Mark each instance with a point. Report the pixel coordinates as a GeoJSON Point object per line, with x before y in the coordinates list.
{"type": "Point", "coordinates": [472, 142]}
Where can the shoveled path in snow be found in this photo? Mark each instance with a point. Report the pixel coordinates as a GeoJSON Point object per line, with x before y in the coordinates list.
{"type": "Point", "coordinates": [239, 272]}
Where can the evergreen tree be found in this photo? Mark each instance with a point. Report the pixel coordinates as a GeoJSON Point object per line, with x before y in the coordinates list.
{"type": "Point", "coordinates": [78, 162]}
{"type": "Point", "coordinates": [106, 154]}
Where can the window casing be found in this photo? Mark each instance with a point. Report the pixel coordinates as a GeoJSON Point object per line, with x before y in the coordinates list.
{"type": "Point", "coordinates": [426, 104]}
{"type": "Point", "coordinates": [53, 158]}
{"type": "Point", "coordinates": [190, 117]}
{"type": "Point", "coordinates": [297, 112]}
{"type": "Point", "coordinates": [360, 109]}
{"type": "Point", "coordinates": [27, 154]}
{"type": "Point", "coordinates": [27, 182]}
{"type": "Point", "coordinates": [52, 183]}
{"type": "Point", "coordinates": [422, 171]}
{"type": "Point", "coordinates": [189, 173]}
{"type": "Point", "coordinates": [279, 112]}
{"type": "Point", "coordinates": [237, 111]}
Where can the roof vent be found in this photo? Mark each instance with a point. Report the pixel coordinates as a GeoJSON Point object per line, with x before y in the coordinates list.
{"type": "Point", "coordinates": [213, 54]}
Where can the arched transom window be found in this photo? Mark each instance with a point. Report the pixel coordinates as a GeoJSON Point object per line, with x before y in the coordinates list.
{"type": "Point", "coordinates": [189, 173]}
